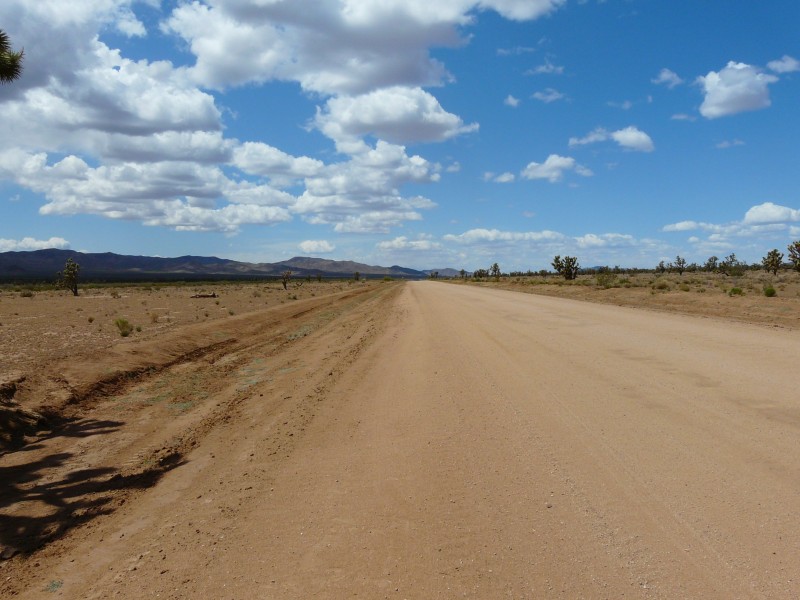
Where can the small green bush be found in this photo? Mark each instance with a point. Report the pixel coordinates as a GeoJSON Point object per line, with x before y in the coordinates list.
{"type": "Point", "coordinates": [606, 280]}
{"type": "Point", "coordinates": [26, 294]}
{"type": "Point", "coordinates": [736, 291]}
{"type": "Point", "coordinates": [124, 327]}
{"type": "Point", "coordinates": [769, 291]}
{"type": "Point", "coordinates": [661, 285]}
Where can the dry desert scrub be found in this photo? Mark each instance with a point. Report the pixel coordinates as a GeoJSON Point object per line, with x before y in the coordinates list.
{"type": "Point", "coordinates": [746, 297]}
{"type": "Point", "coordinates": [51, 324]}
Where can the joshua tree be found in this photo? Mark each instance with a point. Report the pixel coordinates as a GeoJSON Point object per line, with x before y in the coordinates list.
{"type": "Point", "coordinates": [732, 266]}
{"type": "Point", "coordinates": [10, 61]}
{"type": "Point", "coordinates": [712, 264]}
{"type": "Point", "coordinates": [772, 261]}
{"type": "Point", "coordinates": [494, 271]}
{"type": "Point", "coordinates": [794, 254]}
{"type": "Point", "coordinates": [356, 275]}
{"type": "Point", "coordinates": [68, 278]}
{"type": "Point", "coordinates": [568, 266]}
{"type": "Point", "coordinates": [463, 274]}
{"type": "Point", "coordinates": [286, 277]}
{"type": "Point", "coordinates": [680, 264]}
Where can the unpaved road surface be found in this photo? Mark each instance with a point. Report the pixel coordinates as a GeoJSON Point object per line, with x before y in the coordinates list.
{"type": "Point", "coordinates": [431, 441]}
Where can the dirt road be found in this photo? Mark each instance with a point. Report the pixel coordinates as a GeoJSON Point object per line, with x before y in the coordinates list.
{"type": "Point", "coordinates": [435, 441]}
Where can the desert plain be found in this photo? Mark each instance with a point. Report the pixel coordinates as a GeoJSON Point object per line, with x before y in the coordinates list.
{"type": "Point", "coordinates": [527, 438]}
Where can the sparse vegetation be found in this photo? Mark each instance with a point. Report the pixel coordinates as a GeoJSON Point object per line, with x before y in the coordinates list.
{"type": "Point", "coordinates": [494, 272]}
{"type": "Point", "coordinates": [794, 254]}
{"type": "Point", "coordinates": [567, 267]}
{"type": "Point", "coordinates": [123, 326]}
{"type": "Point", "coordinates": [68, 278]}
{"type": "Point", "coordinates": [769, 291]}
{"type": "Point", "coordinates": [732, 266]}
{"type": "Point", "coordinates": [772, 261]}
{"type": "Point", "coordinates": [680, 264]}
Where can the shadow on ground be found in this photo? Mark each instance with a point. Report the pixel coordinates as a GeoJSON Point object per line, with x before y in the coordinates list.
{"type": "Point", "coordinates": [40, 502]}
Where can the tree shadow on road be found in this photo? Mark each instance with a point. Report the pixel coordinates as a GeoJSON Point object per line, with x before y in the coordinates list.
{"type": "Point", "coordinates": [41, 499]}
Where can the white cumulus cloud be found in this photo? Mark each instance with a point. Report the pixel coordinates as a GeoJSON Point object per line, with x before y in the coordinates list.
{"type": "Point", "coordinates": [553, 168]}
{"type": "Point", "coordinates": [331, 46]}
{"type": "Point", "coordinates": [316, 246]}
{"type": "Point", "coordinates": [630, 138]}
{"type": "Point", "coordinates": [786, 64]}
{"type": "Point", "coordinates": [29, 243]}
{"type": "Point", "coordinates": [496, 235]}
{"type": "Point", "coordinates": [668, 78]}
{"type": "Point", "coordinates": [397, 115]}
{"type": "Point", "coordinates": [403, 243]}
{"type": "Point", "coordinates": [736, 88]}
{"type": "Point", "coordinates": [769, 212]}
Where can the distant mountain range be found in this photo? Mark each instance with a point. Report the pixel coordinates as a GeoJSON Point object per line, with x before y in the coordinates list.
{"type": "Point", "coordinates": [44, 264]}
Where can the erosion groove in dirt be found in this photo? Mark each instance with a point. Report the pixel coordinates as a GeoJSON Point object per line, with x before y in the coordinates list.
{"type": "Point", "coordinates": [80, 379]}
{"type": "Point", "coordinates": [432, 441]}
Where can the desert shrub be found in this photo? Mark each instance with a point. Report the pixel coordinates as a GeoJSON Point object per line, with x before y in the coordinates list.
{"type": "Point", "coordinates": [153, 318]}
{"type": "Point", "coordinates": [736, 291]}
{"type": "Point", "coordinates": [732, 266]}
{"type": "Point", "coordinates": [123, 326]}
{"type": "Point", "coordinates": [91, 319]}
{"type": "Point", "coordinates": [606, 280]}
{"type": "Point", "coordinates": [138, 328]}
{"type": "Point", "coordinates": [230, 312]}
{"type": "Point", "coordinates": [26, 294]}
{"type": "Point", "coordinates": [684, 287]}
{"type": "Point", "coordinates": [769, 291]}
{"type": "Point", "coordinates": [661, 285]}
{"type": "Point", "coordinates": [115, 294]}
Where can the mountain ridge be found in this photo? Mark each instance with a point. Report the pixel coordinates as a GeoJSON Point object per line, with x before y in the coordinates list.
{"type": "Point", "coordinates": [45, 264]}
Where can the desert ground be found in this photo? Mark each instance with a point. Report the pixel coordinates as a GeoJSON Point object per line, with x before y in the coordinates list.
{"type": "Point", "coordinates": [402, 440]}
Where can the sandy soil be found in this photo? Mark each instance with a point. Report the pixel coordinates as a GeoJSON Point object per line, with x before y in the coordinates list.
{"type": "Point", "coordinates": [420, 440]}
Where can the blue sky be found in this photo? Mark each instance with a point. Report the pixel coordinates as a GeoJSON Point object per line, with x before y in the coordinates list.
{"type": "Point", "coordinates": [428, 134]}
